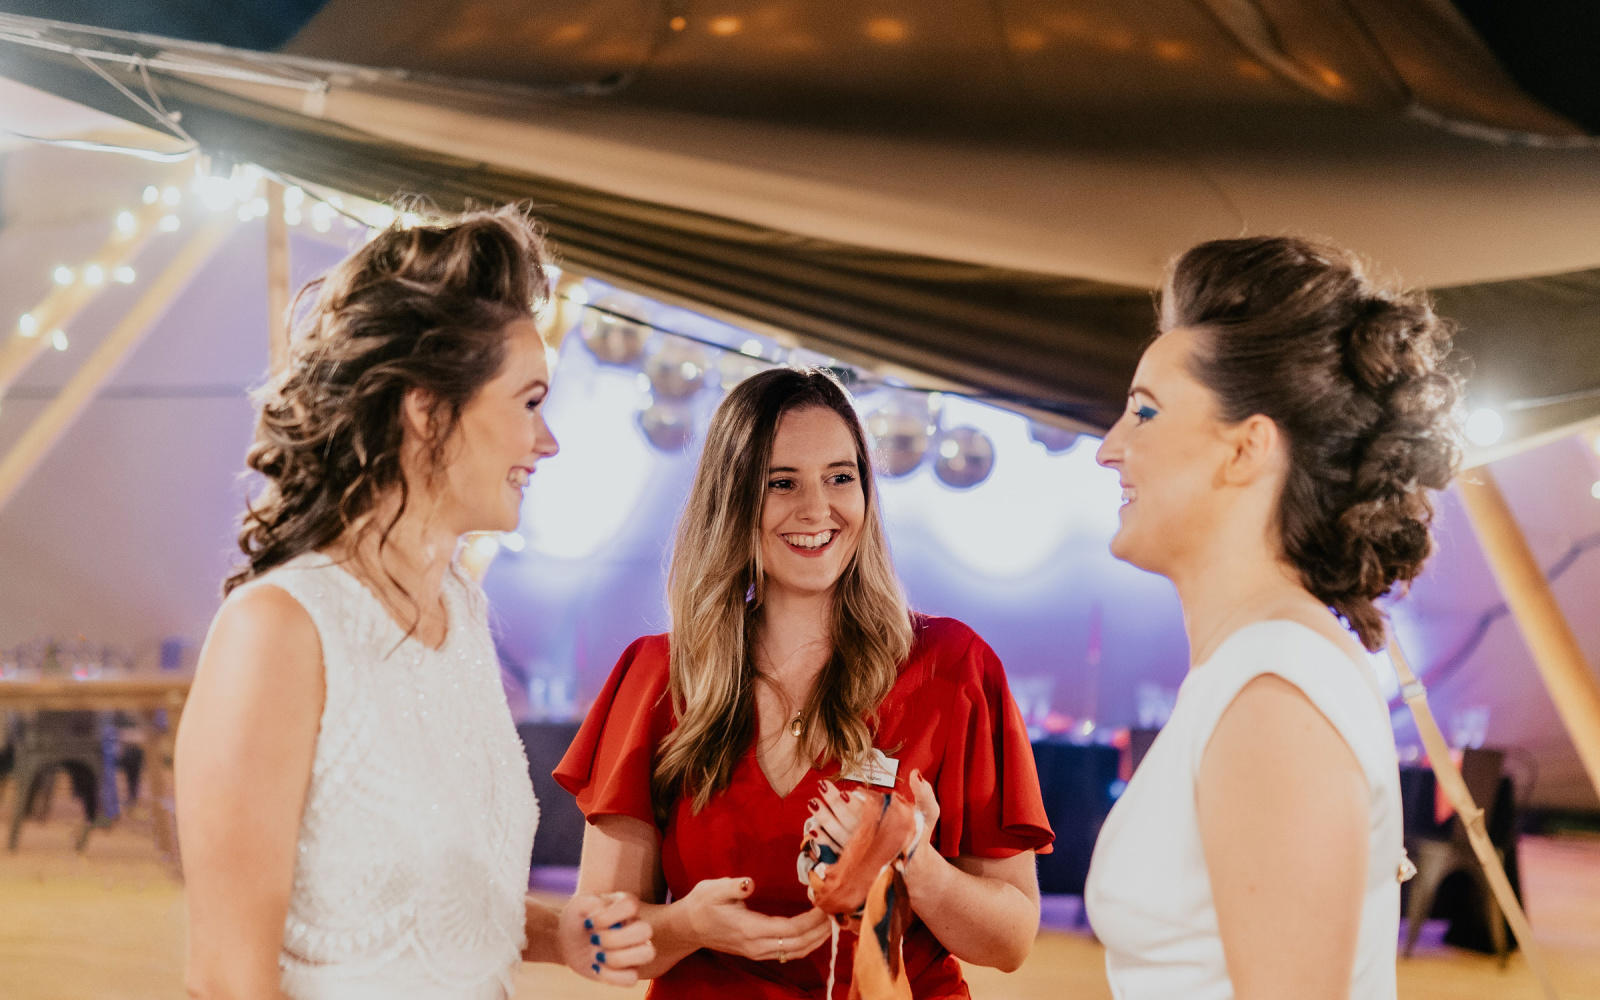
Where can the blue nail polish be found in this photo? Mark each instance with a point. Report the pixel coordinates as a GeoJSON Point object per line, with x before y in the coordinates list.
{"type": "Point", "coordinates": [600, 957]}
{"type": "Point", "coordinates": [588, 924]}
{"type": "Point", "coordinates": [595, 968]}
{"type": "Point", "coordinates": [615, 926]}
{"type": "Point", "coordinates": [594, 939]}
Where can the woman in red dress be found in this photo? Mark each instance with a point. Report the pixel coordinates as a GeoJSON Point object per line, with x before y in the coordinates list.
{"type": "Point", "coordinates": [794, 674]}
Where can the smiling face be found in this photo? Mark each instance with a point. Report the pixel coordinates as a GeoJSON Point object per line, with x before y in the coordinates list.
{"type": "Point", "coordinates": [1169, 447]}
{"type": "Point", "coordinates": [815, 504]}
{"type": "Point", "coordinates": [500, 439]}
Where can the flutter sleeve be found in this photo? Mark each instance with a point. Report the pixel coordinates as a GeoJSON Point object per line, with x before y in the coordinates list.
{"type": "Point", "coordinates": [608, 765]}
{"type": "Point", "coordinates": [988, 787]}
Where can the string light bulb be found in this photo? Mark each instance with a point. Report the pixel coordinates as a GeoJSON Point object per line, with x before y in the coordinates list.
{"type": "Point", "coordinates": [58, 339]}
{"type": "Point", "coordinates": [64, 275]}
{"type": "Point", "coordinates": [1485, 427]}
{"type": "Point", "coordinates": [123, 275]}
{"type": "Point", "coordinates": [94, 276]}
{"type": "Point", "coordinates": [127, 223]}
{"type": "Point", "coordinates": [151, 195]}
{"type": "Point", "coordinates": [168, 224]}
{"type": "Point", "coordinates": [27, 325]}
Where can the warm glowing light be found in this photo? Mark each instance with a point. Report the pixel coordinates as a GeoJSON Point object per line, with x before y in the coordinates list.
{"type": "Point", "coordinates": [1594, 490]}
{"type": "Point", "coordinates": [58, 339]}
{"type": "Point", "coordinates": [171, 195]}
{"type": "Point", "coordinates": [168, 224]}
{"type": "Point", "coordinates": [751, 348]}
{"type": "Point", "coordinates": [123, 275]}
{"type": "Point", "coordinates": [1484, 427]}
{"type": "Point", "coordinates": [1172, 50]}
{"type": "Point", "coordinates": [64, 275]}
{"type": "Point", "coordinates": [1251, 70]}
{"type": "Point", "coordinates": [151, 194]}
{"type": "Point", "coordinates": [127, 224]}
{"type": "Point", "coordinates": [293, 197]}
{"type": "Point", "coordinates": [1330, 77]}
{"type": "Point", "coordinates": [886, 30]}
{"type": "Point", "coordinates": [27, 325]}
{"type": "Point", "coordinates": [322, 216]}
{"type": "Point", "coordinates": [678, 23]}
{"type": "Point", "coordinates": [725, 26]}
{"type": "Point", "coordinates": [94, 275]}
{"type": "Point", "coordinates": [292, 217]}
{"type": "Point", "coordinates": [1028, 40]}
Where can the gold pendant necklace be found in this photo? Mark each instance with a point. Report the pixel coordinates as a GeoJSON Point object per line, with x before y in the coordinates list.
{"type": "Point", "coordinates": [795, 728]}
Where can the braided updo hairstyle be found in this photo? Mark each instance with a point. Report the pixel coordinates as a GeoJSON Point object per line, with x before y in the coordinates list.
{"type": "Point", "coordinates": [1355, 376]}
{"type": "Point", "coordinates": [423, 307]}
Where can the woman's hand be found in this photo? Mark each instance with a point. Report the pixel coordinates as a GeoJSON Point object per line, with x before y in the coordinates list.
{"type": "Point", "coordinates": [835, 814]}
{"type": "Point", "coordinates": [600, 937]}
{"type": "Point", "coordinates": [720, 920]}
{"type": "Point", "coordinates": [928, 805]}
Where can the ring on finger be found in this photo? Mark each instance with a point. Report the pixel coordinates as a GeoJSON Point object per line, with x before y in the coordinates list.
{"type": "Point", "coordinates": [783, 956]}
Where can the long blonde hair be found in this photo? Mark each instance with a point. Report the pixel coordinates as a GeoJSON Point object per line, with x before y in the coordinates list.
{"type": "Point", "coordinates": [714, 592]}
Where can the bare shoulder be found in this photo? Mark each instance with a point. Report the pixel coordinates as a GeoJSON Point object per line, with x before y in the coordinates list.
{"type": "Point", "coordinates": [1272, 716]}
{"type": "Point", "coordinates": [262, 644]}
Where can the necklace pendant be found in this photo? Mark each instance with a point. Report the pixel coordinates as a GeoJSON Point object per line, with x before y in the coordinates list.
{"type": "Point", "coordinates": [795, 728]}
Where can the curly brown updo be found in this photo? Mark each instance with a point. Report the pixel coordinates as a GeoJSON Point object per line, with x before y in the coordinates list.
{"type": "Point", "coordinates": [1356, 377]}
{"type": "Point", "coordinates": [423, 307]}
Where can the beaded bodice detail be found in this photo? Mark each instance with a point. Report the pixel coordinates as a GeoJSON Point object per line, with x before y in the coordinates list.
{"type": "Point", "coordinates": [418, 826]}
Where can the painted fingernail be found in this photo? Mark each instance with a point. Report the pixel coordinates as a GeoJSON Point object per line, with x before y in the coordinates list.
{"type": "Point", "coordinates": [814, 804]}
{"type": "Point", "coordinates": [594, 939]}
{"type": "Point", "coordinates": [845, 796]}
{"type": "Point", "coordinates": [614, 926]}
{"type": "Point", "coordinates": [744, 885]}
{"type": "Point", "coordinates": [595, 969]}
{"type": "Point", "coordinates": [600, 957]}
{"type": "Point", "coordinates": [588, 924]}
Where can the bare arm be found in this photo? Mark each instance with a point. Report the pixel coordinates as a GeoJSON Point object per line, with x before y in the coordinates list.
{"type": "Point", "coordinates": [243, 763]}
{"type": "Point", "coordinates": [621, 853]}
{"type": "Point", "coordinates": [984, 910]}
{"type": "Point", "coordinates": [1282, 806]}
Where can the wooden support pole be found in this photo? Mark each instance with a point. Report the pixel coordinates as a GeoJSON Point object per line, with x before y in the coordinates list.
{"type": "Point", "coordinates": [1571, 683]}
{"type": "Point", "coordinates": [63, 302]}
{"type": "Point", "coordinates": [54, 420]}
{"type": "Point", "coordinates": [277, 279]}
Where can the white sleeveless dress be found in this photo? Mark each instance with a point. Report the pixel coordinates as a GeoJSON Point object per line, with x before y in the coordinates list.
{"type": "Point", "coordinates": [418, 827]}
{"type": "Point", "coordinates": [1148, 894]}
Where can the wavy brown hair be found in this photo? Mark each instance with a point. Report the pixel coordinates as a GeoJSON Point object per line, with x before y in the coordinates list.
{"type": "Point", "coordinates": [1357, 376]}
{"type": "Point", "coordinates": [715, 592]}
{"type": "Point", "coordinates": [423, 307]}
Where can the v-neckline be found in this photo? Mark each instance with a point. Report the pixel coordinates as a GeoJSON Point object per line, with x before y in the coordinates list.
{"type": "Point", "coordinates": [754, 756]}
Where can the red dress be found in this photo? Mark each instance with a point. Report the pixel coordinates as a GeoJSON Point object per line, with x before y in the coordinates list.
{"type": "Point", "coordinates": [949, 714]}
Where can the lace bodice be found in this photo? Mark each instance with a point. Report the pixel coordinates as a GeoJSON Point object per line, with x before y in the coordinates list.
{"type": "Point", "coordinates": [418, 826]}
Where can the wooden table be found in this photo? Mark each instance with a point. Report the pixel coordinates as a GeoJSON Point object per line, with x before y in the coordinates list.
{"type": "Point", "coordinates": [134, 693]}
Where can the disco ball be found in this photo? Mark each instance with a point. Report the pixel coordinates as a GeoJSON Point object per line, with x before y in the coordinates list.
{"type": "Point", "coordinates": [669, 426]}
{"type": "Point", "coordinates": [965, 457]}
{"type": "Point", "coordinates": [677, 370]}
{"type": "Point", "coordinates": [1055, 440]}
{"type": "Point", "coordinates": [899, 439]}
{"type": "Point", "coordinates": [614, 332]}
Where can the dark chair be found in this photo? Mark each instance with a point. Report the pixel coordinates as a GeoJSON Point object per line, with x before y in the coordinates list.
{"type": "Point", "coordinates": [1439, 857]}
{"type": "Point", "coordinates": [73, 741]}
{"type": "Point", "coordinates": [559, 841]}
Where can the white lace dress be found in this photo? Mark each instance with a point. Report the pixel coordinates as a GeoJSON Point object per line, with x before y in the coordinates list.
{"type": "Point", "coordinates": [419, 821]}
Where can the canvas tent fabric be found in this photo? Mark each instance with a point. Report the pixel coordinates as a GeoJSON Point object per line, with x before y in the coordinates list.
{"type": "Point", "coordinates": [988, 205]}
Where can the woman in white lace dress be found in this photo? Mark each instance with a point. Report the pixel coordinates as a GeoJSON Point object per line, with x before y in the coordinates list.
{"type": "Point", "coordinates": [1281, 439]}
{"type": "Point", "coordinates": [353, 801]}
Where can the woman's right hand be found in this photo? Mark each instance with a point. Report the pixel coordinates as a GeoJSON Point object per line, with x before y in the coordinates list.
{"type": "Point", "coordinates": [720, 920]}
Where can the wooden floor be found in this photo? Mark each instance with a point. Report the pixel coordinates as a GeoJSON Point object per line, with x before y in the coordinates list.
{"type": "Point", "coordinates": [109, 925]}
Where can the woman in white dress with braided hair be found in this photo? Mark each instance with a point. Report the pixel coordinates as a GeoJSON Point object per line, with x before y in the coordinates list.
{"type": "Point", "coordinates": [354, 805]}
{"type": "Point", "coordinates": [1282, 436]}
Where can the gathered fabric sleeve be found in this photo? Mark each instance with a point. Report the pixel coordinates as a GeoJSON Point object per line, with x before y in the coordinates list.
{"type": "Point", "coordinates": [609, 763]}
{"type": "Point", "coordinates": [990, 805]}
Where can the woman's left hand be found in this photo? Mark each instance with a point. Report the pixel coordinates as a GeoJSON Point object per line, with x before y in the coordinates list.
{"type": "Point", "coordinates": [602, 938]}
{"type": "Point", "coordinates": [835, 814]}
{"type": "Point", "coordinates": [928, 805]}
